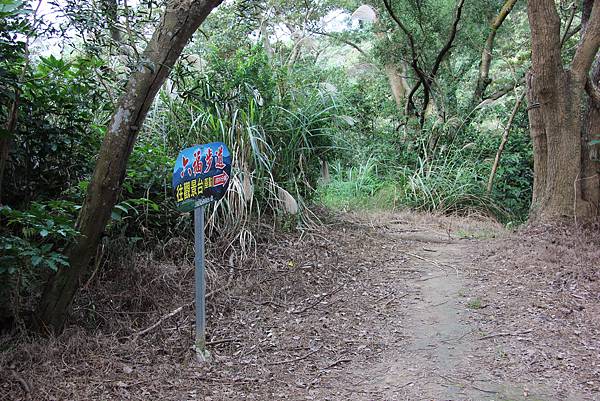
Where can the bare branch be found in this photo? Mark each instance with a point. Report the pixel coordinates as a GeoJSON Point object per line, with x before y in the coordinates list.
{"type": "Point", "coordinates": [568, 27]}
{"type": "Point", "coordinates": [506, 334]}
{"type": "Point", "coordinates": [451, 37]}
{"type": "Point", "coordinates": [340, 39]}
{"type": "Point", "coordinates": [503, 91]}
{"type": "Point", "coordinates": [503, 141]}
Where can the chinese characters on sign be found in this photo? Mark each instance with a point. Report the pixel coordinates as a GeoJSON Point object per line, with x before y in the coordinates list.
{"type": "Point", "coordinates": [201, 175]}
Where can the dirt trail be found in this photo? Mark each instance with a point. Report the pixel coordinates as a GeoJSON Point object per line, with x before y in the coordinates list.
{"type": "Point", "coordinates": [446, 351]}
{"type": "Point", "coordinates": [377, 307]}
{"type": "Point", "coordinates": [439, 357]}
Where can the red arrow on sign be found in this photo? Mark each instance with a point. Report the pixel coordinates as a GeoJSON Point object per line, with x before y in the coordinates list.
{"type": "Point", "coordinates": [221, 179]}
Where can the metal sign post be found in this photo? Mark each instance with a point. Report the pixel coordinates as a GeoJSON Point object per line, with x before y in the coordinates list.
{"type": "Point", "coordinates": [200, 343]}
{"type": "Point", "coordinates": [201, 176]}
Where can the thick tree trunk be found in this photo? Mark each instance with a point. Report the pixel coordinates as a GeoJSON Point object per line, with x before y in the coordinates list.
{"type": "Point", "coordinates": [537, 131]}
{"type": "Point", "coordinates": [557, 97]}
{"type": "Point", "coordinates": [179, 22]}
{"type": "Point", "coordinates": [590, 157]}
{"type": "Point", "coordinates": [590, 184]}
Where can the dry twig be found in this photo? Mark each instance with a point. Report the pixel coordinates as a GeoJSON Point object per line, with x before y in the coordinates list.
{"type": "Point", "coordinates": [22, 382]}
{"type": "Point", "coordinates": [295, 359]}
{"type": "Point", "coordinates": [433, 262]}
{"type": "Point", "coordinates": [223, 341]}
{"type": "Point", "coordinates": [331, 365]}
{"type": "Point", "coordinates": [160, 321]}
{"type": "Point", "coordinates": [318, 301]}
{"type": "Point", "coordinates": [506, 334]}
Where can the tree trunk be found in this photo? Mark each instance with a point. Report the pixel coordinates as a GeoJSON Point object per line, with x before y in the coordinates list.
{"type": "Point", "coordinates": [396, 84]}
{"type": "Point", "coordinates": [503, 142]}
{"type": "Point", "coordinates": [537, 131]}
{"type": "Point", "coordinates": [590, 157]}
{"type": "Point", "coordinates": [111, 11]}
{"type": "Point", "coordinates": [264, 35]}
{"type": "Point", "coordinates": [179, 22]}
{"type": "Point", "coordinates": [483, 79]}
{"type": "Point", "coordinates": [557, 97]}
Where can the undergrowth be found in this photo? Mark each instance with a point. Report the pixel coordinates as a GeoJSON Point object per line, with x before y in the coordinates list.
{"type": "Point", "coordinates": [448, 187]}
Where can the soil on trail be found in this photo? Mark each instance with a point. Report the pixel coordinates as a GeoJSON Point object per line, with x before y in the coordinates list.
{"type": "Point", "coordinates": [376, 307]}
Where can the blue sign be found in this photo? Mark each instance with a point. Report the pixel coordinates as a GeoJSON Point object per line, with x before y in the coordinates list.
{"type": "Point", "coordinates": [201, 175]}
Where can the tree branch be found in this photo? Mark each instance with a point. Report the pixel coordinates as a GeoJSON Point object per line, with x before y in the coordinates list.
{"type": "Point", "coordinates": [569, 35]}
{"type": "Point", "coordinates": [594, 92]}
{"type": "Point", "coordinates": [411, 39]}
{"type": "Point", "coordinates": [568, 27]}
{"type": "Point", "coordinates": [503, 141]}
{"type": "Point", "coordinates": [503, 91]}
{"type": "Point", "coordinates": [340, 39]}
{"type": "Point", "coordinates": [486, 55]}
{"type": "Point", "coordinates": [589, 44]}
{"type": "Point", "coordinates": [440, 57]}
{"type": "Point", "coordinates": [451, 37]}
{"type": "Point", "coordinates": [423, 80]}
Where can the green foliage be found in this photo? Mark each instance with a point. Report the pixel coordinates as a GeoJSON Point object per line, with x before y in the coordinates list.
{"type": "Point", "coordinates": [278, 123]}
{"type": "Point", "coordinates": [20, 254]}
{"type": "Point", "coordinates": [55, 137]}
{"type": "Point", "coordinates": [444, 169]}
{"type": "Point", "coordinates": [50, 221]}
{"type": "Point", "coordinates": [51, 150]}
{"type": "Point", "coordinates": [475, 304]}
{"type": "Point", "coordinates": [452, 187]}
{"type": "Point", "coordinates": [448, 187]}
{"type": "Point", "coordinates": [358, 187]}
{"type": "Point", "coordinates": [32, 242]}
{"type": "Point", "coordinates": [13, 24]}
{"type": "Point", "coordinates": [281, 114]}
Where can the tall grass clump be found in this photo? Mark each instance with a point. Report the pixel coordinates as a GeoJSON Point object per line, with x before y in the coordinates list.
{"type": "Point", "coordinates": [389, 161]}
{"type": "Point", "coordinates": [450, 186]}
{"type": "Point", "coordinates": [279, 132]}
{"type": "Point", "coordinates": [358, 187]}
